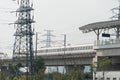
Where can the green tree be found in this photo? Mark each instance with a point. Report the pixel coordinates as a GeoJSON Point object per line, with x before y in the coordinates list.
{"type": "Point", "coordinates": [14, 70]}
{"type": "Point", "coordinates": [88, 76]}
{"type": "Point", "coordinates": [11, 71]}
{"type": "Point", "coordinates": [57, 76]}
{"type": "Point", "coordinates": [15, 78]}
{"type": "Point", "coordinates": [75, 74]}
{"type": "Point", "coordinates": [103, 62]}
{"type": "Point", "coordinates": [38, 64]}
{"type": "Point", "coordinates": [2, 77]}
{"type": "Point", "coordinates": [22, 78]}
{"type": "Point", "coordinates": [39, 69]}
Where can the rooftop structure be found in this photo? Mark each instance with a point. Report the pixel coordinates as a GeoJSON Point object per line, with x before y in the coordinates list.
{"type": "Point", "coordinates": [100, 25]}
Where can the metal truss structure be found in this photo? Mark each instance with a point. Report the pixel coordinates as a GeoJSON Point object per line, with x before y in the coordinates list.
{"type": "Point", "coordinates": [23, 45]}
{"type": "Point", "coordinates": [99, 27]}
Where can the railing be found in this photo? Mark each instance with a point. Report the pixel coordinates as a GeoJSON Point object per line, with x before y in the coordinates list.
{"type": "Point", "coordinates": [107, 43]}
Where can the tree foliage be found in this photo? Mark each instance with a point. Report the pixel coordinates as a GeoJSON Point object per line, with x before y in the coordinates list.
{"type": "Point", "coordinates": [103, 62]}
{"type": "Point", "coordinates": [57, 76]}
{"type": "Point", "coordinates": [14, 71]}
{"type": "Point", "coordinates": [39, 69]}
{"type": "Point", "coordinates": [2, 77]}
{"type": "Point", "coordinates": [75, 74]}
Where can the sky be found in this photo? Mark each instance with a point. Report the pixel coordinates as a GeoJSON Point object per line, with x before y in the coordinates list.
{"type": "Point", "coordinates": [61, 16]}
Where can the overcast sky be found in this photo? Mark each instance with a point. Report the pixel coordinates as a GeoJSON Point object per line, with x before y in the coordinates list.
{"type": "Point", "coordinates": [62, 16]}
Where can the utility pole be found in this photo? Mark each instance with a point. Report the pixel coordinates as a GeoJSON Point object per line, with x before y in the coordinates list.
{"type": "Point", "coordinates": [64, 52]}
{"type": "Point", "coordinates": [23, 44]}
{"type": "Point", "coordinates": [36, 44]}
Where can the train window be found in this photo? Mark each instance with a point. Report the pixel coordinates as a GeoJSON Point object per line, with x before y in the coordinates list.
{"type": "Point", "coordinates": [79, 48]}
{"type": "Point", "coordinates": [62, 49]}
{"type": "Point", "coordinates": [83, 48]}
{"type": "Point", "coordinates": [88, 47]}
{"type": "Point", "coordinates": [66, 49]}
{"type": "Point", "coordinates": [91, 47]}
{"type": "Point", "coordinates": [55, 50]}
{"type": "Point", "coordinates": [50, 50]}
{"type": "Point", "coordinates": [75, 48]}
{"type": "Point", "coordinates": [46, 50]}
{"type": "Point", "coordinates": [43, 51]}
{"type": "Point", "coordinates": [59, 50]}
{"type": "Point", "coordinates": [40, 51]}
{"type": "Point", "coordinates": [70, 49]}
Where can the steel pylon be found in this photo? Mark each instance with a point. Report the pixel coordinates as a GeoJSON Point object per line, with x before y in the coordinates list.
{"type": "Point", "coordinates": [23, 44]}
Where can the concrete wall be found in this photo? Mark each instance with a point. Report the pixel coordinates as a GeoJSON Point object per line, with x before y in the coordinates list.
{"type": "Point", "coordinates": [108, 52]}
{"type": "Point", "coordinates": [107, 75]}
{"type": "Point", "coordinates": [71, 61]}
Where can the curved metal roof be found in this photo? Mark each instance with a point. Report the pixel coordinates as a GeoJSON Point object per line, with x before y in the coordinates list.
{"type": "Point", "coordinates": [100, 25]}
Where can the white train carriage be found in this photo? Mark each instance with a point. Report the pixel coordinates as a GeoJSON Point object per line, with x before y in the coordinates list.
{"type": "Point", "coordinates": [86, 48]}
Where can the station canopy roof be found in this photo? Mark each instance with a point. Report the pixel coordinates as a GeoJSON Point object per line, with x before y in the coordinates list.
{"type": "Point", "coordinates": [100, 25]}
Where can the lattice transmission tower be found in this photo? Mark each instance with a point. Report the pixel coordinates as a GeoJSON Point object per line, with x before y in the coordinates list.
{"type": "Point", "coordinates": [48, 40]}
{"type": "Point", "coordinates": [23, 44]}
{"type": "Point", "coordinates": [116, 16]}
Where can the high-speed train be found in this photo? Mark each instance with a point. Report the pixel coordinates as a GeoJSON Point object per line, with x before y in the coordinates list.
{"type": "Point", "coordinates": [84, 48]}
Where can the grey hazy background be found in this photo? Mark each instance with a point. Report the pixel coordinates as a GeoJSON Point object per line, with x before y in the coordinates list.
{"type": "Point", "coordinates": [62, 16]}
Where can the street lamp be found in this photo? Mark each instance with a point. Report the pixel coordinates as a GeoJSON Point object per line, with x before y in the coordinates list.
{"type": "Point", "coordinates": [94, 71]}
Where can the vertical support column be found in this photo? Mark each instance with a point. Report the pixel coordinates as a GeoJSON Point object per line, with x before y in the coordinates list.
{"type": "Point", "coordinates": [98, 33]}
{"type": "Point", "coordinates": [64, 53]}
